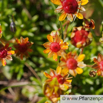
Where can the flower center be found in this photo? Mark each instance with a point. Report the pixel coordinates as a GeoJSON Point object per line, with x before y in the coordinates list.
{"type": "Point", "coordinates": [3, 53]}
{"type": "Point", "coordinates": [60, 79]}
{"type": "Point", "coordinates": [80, 36]}
{"type": "Point", "coordinates": [23, 47]}
{"type": "Point", "coordinates": [70, 6]}
{"type": "Point", "coordinates": [101, 65]}
{"type": "Point", "coordinates": [71, 63]}
{"type": "Point", "coordinates": [55, 47]}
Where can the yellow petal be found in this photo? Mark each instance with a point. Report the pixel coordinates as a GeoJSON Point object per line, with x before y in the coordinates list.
{"type": "Point", "coordinates": [84, 2]}
{"type": "Point", "coordinates": [79, 15]}
{"type": "Point", "coordinates": [65, 71]}
{"type": "Point", "coordinates": [46, 51]}
{"type": "Point", "coordinates": [18, 41]}
{"type": "Point", "coordinates": [64, 87]}
{"type": "Point", "coordinates": [62, 16]}
{"type": "Point", "coordinates": [55, 56]}
{"type": "Point", "coordinates": [58, 70]}
{"type": "Point", "coordinates": [57, 2]}
{"type": "Point", "coordinates": [11, 52]}
{"type": "Point", "coordinates": [47, 75]}
{"type": "Point", "coordinates": [80, 57]}
{"type": "Point", "coordinates": [64, 46]}
{"type": "Point", "coordinates": [79, 70]}
{"type": "Point", "coordinates": [68, 81]}
{"type": "Point", "coordinates": [3, 62]}
{"type": "Point", "coordinates": [50, 38]}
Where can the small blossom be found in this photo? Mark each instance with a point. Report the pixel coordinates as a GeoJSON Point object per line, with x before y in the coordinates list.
{"type": "Point", "coordinates": [64, 83]}
{"type": "Point", "coordinates": [52, 91]}
{"type": "Point", "coordinates": [99, 65]}
{"type": "Point", "coordinates": [23, 47]}
{"type": "Point", "coordinates": [5, 53]}
{"type": "Point", "coordinates": [72, 64]}
{"type": "Point", "coordinates": [55, 47]}
{"type": "Point", "coordinates": [56, 84]}
{"type": "Point", "coordinates": [81, 37]}
{"type": "Point", "coordinates": [69, 8]}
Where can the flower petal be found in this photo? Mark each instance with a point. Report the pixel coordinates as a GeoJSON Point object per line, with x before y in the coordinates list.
{"type": "Point", "coordinates": [47, 75]}
{"type": "Point", "coordinates": [46, 51]}
{"type": "Point", "coordinates": [79, 70]}
{"type": "Point", "coordinates": [64, 46]}
{"type": "Point", "coordinates": [70, 17]}
{"type": "Point", "coordinates": [50, 54]}
{"type": "Point", "coordinates": [58, 70]}
{"type": "Point", "coordinates": [3, 62]}
{"type": "Point", "coordinates": [57, 2]}
{"type": "Point", "coordinates": [79, 15]}
{"type": "Point", "coordinates": [26, 40]}
{"type": "Point", "coordinates": [65, 71]}
{"type": "Point", "coordinates": [81, 65]}
{"type": "Point", "coordinates": [55, 56]}
{"type": "Point", "coordinates": [62, 16]}
{"type": "Point", "coordinates": [58, 9]}
{"type": "Point", "coordinates": [84, 2]}
{"type": "Point", "coordinates": [72, 72]}
{"type": "Point", "coordinates": [11, 52]}
{"type": "Point", "coordinates": [80, 57]}
{"type": "Point", "coordinates": [47, 44]}
{"type": "Point", "coordinates": [50, 38]}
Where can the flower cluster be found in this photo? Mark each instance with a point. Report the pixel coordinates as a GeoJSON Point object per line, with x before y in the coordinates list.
{"type": "Point", "coordinates": [70, 63]}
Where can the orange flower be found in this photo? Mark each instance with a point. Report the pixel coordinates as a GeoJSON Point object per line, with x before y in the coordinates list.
{"type": "Point", "coordinates": [56, 84]}
{"type": "Point", "coordinates": [5, 53]}
{"type": "Point", "coordinates": [70, 8]}
{"type": "Point", "coordinates": [23, 47]}
{"type": "Point", "coordinates": [63, 81]}
{"type": "Point", "coordinates": [99, 65]}
{"type": "Point", "coordinates": [71, 63]}
{"type": "Point", "coordinates": [55, 47]}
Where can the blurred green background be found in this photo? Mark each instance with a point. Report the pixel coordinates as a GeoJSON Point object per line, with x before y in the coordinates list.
{"type": "Point", "coordinates": [21, 81]}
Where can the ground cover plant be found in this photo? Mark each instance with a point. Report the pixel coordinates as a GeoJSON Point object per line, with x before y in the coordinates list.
{"type": "Point", "coordinates": [50, 48]}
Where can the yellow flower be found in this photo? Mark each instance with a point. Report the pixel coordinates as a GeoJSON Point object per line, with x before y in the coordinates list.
{"type": "Point", "coordinates": [5, 53]}
{"type": "Point", "coordinates": [55, 47]}
{"type": "Point", "coordinates": [23, 47]}
{"type": "Point", "coordinates": [72, 64]}
{"type": "Point", "coordinates": [69, 8]}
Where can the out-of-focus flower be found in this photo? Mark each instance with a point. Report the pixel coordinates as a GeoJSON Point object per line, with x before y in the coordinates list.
{"type": "Point", "coordinates": [69, 8]}
{"type": "Point", "coordinates": [99, 65]}
{"type": "Point", "coordinates": [81, 37]}
{"type": "Point", "coordinates": [23, 47]}
{"type": "Point", "coordinates": [5, 53]}
{"type": "Point", "coordinates": [55, 47]}
{"type": "Point", "coordinates": [72, 64]}
{"type": "Point", "coordinates": [63, 81]}
{"type": "Point", "coordinates": [92, 73]}
{"type": "Point", "coordinates": [52, 91]}
{"type": "Point", "coordinates": [0, 31]}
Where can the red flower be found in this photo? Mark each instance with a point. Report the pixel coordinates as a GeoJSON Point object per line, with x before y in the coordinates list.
{"type": "Point", "coordinates": [81, 37]}
{"type": "Point", "coordinates": [23, 47]}
{"type": "Point", "coordinates": [5, 53]}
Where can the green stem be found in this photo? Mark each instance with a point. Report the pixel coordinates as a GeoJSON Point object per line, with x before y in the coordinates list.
{"type": "Point", "coordinates": [15, 86]}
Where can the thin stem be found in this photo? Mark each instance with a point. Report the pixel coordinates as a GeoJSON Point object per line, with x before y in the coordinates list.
{"type": "Point", "coordinates": [12, 86]}
{"type": "Point", "coordinates": [32, 70]}
{"type": "Point", "coordinates": [65, 33]}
